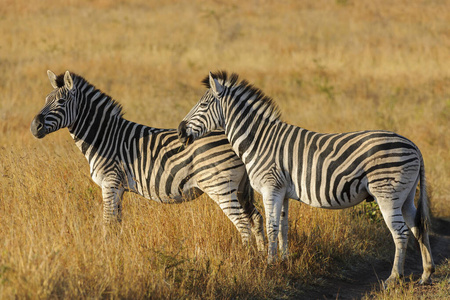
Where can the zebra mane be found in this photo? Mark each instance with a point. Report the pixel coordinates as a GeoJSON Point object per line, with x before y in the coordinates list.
{"type": "Point", "coordinates": [255, 93]}
{"type": "Point", "coordinates": [80, 81]}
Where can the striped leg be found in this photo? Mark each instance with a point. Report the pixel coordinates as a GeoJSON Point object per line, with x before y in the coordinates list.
{"type": "Point", "coordinates": [427, 259]}
{"type": "Point", "coordinates": [234, 211]}
{"type": "Point", "coordinates": [391, 196]}
{"type": "Point", "coordinates": [396, 201]}
{"type": "Point", "coordinates": [273, 202]}
{"type": "Point", "coordinates": [112, 202]}
{"type": "Point", "coordinates": [246, 198]}
{"type": "Point", "coordinates": [283, 233]}
{"type": "Point", "coordinates": [257, 226]}
{"type": "Point", "coordinates": [396, 223]}
{"type": "Point", "coordinates": [410, 214]}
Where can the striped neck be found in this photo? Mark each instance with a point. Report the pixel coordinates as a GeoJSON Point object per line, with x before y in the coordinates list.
{"type": "Point", "coordinates": [249, 117]}
{"type": "Point", "coordinates": [98, 115]}
{"type": "Point", "coordinates": [244, 107]}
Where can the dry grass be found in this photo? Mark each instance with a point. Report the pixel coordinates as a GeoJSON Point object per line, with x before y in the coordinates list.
{"type": "Point", "coordinates": [331, 66]}
{"type": "Point", "coordinates": [53, 245]}
{"type": "Point", "coordinates": [409, 289]}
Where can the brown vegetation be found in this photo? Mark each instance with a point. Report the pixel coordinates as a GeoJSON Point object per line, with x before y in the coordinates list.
{"type": "Point", "coordinates": [331, 66]}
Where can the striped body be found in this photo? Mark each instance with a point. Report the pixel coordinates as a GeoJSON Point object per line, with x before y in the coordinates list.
{"type": "Point", "coordinates": [330, 170]}
{"type": "Point", "coordinates": [126, 156]}
{"type": "Point", "coordinates": [323, 170]}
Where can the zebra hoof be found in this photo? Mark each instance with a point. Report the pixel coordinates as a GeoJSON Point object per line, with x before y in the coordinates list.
{"type": "Point", "coordinates": [271, 260]}
{"type": "Point", "coordinates": [426, 281]}
{"type": "Point", "coordinates": [285, 256]}
{"type": "Point", "coordinates": [391, 281]}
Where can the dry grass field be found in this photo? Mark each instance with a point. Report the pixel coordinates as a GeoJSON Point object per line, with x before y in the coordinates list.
{"type": "Point", "coordinates": [332, 66]}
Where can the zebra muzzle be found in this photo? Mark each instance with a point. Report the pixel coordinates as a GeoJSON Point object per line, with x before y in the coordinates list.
{"type": "Point", "coordinates": [37, 126]}
{"type": "Point", "coordinates": [183, 136]}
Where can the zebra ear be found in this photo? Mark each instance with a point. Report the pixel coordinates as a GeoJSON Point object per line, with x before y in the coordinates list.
{"type": "Point", "coordinates": [52, 78]}
{"type": "Point", "coordinates": [216, 87]}
{"type": "Point", "coordinates": [68, 82]}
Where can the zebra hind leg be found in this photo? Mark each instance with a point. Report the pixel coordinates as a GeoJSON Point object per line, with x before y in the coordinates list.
{"type": "Point", "coordinates": [413, 218]}
{"type": "Point", "coordinates": [226, 196]}
{"type": "Point", "coordinates": [246, 198]}
{"type": "Point", "coordinates": [257, 227]}
{"type": "Point", "coordinates": [391, 209]}
{"type": "Point", "coordinates": [234, 211]}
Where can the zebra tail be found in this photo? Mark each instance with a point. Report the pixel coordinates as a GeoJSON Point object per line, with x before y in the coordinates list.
{"type": "Point", "coordinates": [423, 214]}
{"type": "Point", "coordinates": [246, 197]}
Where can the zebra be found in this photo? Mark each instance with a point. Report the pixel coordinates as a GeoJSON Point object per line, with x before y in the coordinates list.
{"type": "Point", "coordinates": [126, 156]}
{"type": "Point", "coordinates": [331, 171]}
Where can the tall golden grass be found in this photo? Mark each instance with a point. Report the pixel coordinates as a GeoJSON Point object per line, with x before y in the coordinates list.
{"type": "Point", "coordinates": [331, 66]}
{"type": "Point", "coordinates": [53, 244]}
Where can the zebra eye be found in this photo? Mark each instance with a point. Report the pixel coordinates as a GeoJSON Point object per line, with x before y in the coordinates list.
{"type": "Point", "coordinates": [204, 104]}
{"type": "Point", "coordinates": [61, 101]}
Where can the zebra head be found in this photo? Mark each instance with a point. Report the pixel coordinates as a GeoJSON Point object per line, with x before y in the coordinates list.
{"type": "Point", "coordinates": [60, 106]}
{"type": "Point", "coordinates": [206, 115]}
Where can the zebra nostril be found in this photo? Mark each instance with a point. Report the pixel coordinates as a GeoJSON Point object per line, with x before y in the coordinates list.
{"type": "Point", "coordinates": [37, 126]}
{"type": "Point", "coordinates": [182, 128]}
{"type": "Point", "coordinates": [182, 135]}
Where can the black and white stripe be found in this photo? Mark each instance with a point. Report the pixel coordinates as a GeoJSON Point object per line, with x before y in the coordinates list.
{"type": "Point", "coordinates": [126, 156]}
{"type": "Point", "coordinates": [323, 170]}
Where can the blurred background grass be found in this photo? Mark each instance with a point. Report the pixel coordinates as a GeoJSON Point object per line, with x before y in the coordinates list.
{"type": "Point", "coordinates": [331, 66]}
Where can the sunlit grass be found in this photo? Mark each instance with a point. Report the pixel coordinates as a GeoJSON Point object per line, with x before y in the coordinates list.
{"type": "Point", "coordinates": [53, 244]}
{"type": "Point", "coordinates": [331, 66]}
{"type": "Point", "coordinates": [410, 289]}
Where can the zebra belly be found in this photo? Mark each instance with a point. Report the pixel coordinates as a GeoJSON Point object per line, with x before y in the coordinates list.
{"type": "Point", "coordinates": [356, 199]}
{"type": "Point", "coordinates": [335, 204]}
{"type": "Point", "coordinates": [168, 196]}
{"type": "Point", "coordinates": [346, 195]}
{"type": "Point", "coordinates": [186, 195]}
{"type": "Point", "coordinates": [162, 197]}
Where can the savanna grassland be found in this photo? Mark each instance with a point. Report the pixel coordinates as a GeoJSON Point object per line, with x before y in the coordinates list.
{"type": "Point", "coordinates": [332, 66]}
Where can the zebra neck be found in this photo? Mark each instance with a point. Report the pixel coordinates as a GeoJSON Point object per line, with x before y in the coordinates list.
{"type": "Point", "coordinates": [249, 117]}
{"type": "Point", "coordinates": [247, 134]}
{"type": "Point", "coordinates": [96, 125]}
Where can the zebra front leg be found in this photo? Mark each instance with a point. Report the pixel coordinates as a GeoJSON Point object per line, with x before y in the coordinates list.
{"type": "Point", "coordinates": [283, 233]}
{"type": "Point", "coordinates": [273, 202]}
{"type": "Point", "coordinates": [112, 205]}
